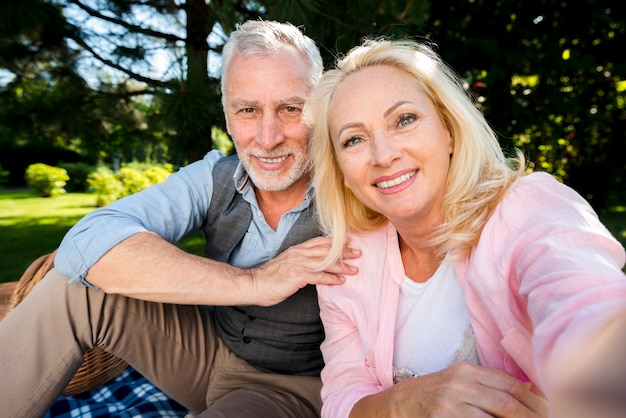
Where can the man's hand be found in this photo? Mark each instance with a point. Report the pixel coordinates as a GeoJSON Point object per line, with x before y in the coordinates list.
{"type": "Point", "coordinates": [295, 268]}
{"type": "Point", "coordinates": [463, 391]}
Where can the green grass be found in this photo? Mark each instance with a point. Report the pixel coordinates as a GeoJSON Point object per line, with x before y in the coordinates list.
{"type": "Point", "coordinates": [31, 226]}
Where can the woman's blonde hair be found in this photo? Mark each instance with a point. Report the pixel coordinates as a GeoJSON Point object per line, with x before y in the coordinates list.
{"type": "Point", "coordinates": [479, 171]}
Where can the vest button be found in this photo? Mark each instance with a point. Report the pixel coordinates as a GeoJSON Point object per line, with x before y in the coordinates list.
{"type": "Point", "coordinates": [246, 340]}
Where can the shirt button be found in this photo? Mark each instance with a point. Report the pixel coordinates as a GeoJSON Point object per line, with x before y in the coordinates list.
{"type": "Point", "coordinates": [246, 340]}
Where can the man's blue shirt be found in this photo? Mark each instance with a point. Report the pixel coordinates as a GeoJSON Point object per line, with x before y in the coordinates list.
{"type": "Point", "coordinates": [173, 210]}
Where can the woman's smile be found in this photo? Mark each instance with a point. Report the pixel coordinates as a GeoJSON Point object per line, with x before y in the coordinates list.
{"type": "Point", "coordinates": [396, 183]}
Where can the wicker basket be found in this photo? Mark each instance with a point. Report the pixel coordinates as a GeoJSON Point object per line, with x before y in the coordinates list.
{"type": "Point", "coordinates": [98, 366]}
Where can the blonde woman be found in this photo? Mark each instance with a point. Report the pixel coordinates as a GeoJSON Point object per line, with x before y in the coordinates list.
{"type": "Point", "coordinates": [478, 285]}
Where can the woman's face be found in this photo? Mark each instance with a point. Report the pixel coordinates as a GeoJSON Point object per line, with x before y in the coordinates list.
{"type": "Point", "coordinates": [391, 144]}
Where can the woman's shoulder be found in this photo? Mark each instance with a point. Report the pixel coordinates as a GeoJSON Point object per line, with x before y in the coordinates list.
{"type": "Point", "coordinates": [374, 239]}
{"type": "Point", "coordinates": [539, 202]}
{"type": "Point", "coordinates": [542, 194]}
{"type": "Point", "coordinates": [380, 259]}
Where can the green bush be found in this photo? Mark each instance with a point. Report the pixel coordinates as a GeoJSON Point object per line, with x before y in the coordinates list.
{"type": "Point", "coordinates": [107, 186]}
{"type": "Point", "coordinates": [46, 180]}
{"type": "Point", "coordinates": [157, 174]}
{"type": "Point", "coordinates": [4, 175]}
{"type": "Point", "coordinates": [78, 173]}
{"type": "Point", "coordinates": [133, 180]}
{"type": "Point", "coordinates": [130, 179]}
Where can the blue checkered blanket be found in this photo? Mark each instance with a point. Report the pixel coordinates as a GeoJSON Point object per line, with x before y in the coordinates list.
{"type": "Point", "coordinates": [130, 395]}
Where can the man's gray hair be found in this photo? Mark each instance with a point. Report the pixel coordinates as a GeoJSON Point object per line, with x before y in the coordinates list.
{"type": "Point", "coordinates": [264, 37]}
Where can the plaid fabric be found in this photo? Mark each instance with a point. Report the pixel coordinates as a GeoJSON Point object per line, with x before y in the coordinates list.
{"type": "Point", "coordinates": [130, 395]}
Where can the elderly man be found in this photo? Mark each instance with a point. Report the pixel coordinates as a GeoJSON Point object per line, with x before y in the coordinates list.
{"type": "Point", "coordinates": [233, 334]}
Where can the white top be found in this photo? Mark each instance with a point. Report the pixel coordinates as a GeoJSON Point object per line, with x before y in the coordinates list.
{"type": "Point", "coordinates": [433, 330]}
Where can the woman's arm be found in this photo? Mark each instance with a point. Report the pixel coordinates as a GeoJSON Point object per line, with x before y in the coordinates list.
{"type": "Point", "coordinates": [461, 391]}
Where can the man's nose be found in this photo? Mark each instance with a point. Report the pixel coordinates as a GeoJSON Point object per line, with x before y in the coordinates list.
{"type": "Point", "coordinates": [270, 132]}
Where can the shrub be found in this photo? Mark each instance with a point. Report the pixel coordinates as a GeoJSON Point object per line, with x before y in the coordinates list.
{"type": "Point", "coordinates": [107, 186]}
{"type": "Point", "coordinates": [133, 180]}
{"type": "Point", "coordinates": [130, 179]}
{"type": "Point", "coordinates": [78, 173]}
{"type": "Point", "coordinates": [4, 175]}
{"type": "Point", "coordinates": [46, 180]}
{"type": "Point", "coordinates": [157, 174]}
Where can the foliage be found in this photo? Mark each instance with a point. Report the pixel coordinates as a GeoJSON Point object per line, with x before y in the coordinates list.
{"type": "Point", "coordinates": [107, 186]}
{"type": "Point", "coordinates": [338, 25]}
{"type": "Point", "coordinates": [78, 173]}
{"type": "Point", "coordinates": [16, 158]}
{"type": "Point", "coordinates": [4, 175]}
{"type": "Point", "coordinates": [547, 81]}
{"type": "Point", "coordinates": [46, 181]}
{"type": "Point", "coordinates": [110, 186]}
{"type": "Point", "coordinates": [550, 82]}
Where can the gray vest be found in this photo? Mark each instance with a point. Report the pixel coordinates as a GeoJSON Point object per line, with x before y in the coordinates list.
{"type": "Point", "coordinates": [284, 338]}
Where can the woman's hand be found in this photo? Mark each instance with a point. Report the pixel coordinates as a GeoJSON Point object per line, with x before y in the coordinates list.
{"type": "Point", "coordinates": [463, 391]}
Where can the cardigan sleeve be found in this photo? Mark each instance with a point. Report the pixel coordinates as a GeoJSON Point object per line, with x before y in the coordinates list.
{"type": "Point", "coordinates": [564, 264]}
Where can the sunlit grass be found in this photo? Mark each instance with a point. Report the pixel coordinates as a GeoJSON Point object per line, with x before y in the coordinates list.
{"type": "Point", "coordinates": [31, 226]}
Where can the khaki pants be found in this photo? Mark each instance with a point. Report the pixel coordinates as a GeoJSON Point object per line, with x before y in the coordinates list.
{"type": "Point", "coordinates": [43, 339]}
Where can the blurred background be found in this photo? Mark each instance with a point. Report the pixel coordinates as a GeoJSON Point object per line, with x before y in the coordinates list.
{"type": "Point", "coordinates": [95, 86]}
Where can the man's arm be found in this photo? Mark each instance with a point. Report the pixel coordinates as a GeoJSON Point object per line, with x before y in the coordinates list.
{"type": "Point", "coordinates": [172, 210]}
{"type": "Point", "coordinates": [147, 267]}
{"type": "Point", "coordinates": [128, 248]}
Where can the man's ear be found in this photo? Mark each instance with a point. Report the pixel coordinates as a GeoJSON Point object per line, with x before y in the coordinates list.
{"type": "Point", "coordinates": [227, 125]}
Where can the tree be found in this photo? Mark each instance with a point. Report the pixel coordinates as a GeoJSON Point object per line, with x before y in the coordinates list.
{"type": "Point", "coordinates": [79, 75]}
{"type": "Point", "coordinates": [123, 36]}
{"type": "Point", "coordinates": [548, 80]}
{"type": "Point", "coordinates": [40, 79]}
{"type": "Point", "coordinates": [338, 25]}
{"type": "Point", "coordinates": [551, 82]}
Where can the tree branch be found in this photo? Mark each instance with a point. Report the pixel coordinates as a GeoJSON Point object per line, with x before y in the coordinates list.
{"type": "Point", "coordinates": [138, 77]}
{"type": "Point", "coordinates": [133, 28]}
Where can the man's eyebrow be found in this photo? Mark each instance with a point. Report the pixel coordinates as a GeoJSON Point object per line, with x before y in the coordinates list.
{"type": "Point", "coordinates": [295, 100]}
{"type": "Point", "coordinates": [244, 103]}
{"type": "Point", "coordinates": [292, 100]}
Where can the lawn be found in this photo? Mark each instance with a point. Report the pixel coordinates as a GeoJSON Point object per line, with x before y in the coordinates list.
{"type": "Point", "coordinates": [31, 226]}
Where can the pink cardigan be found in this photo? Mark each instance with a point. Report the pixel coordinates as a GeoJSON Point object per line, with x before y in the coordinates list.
{"type": "Point", "coordinates": [544, 273]}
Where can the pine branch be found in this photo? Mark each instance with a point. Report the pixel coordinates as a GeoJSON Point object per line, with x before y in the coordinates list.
{"type": "Point", "coordinates": [130, 27]}
{"type": "Point", "coordinates": [131, 74]}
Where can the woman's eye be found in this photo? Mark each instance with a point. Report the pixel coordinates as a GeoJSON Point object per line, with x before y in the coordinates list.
{"type": "Point", "coordinates": [353, 140]}
{"type": "Point", "coordinates": [405, 120]}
